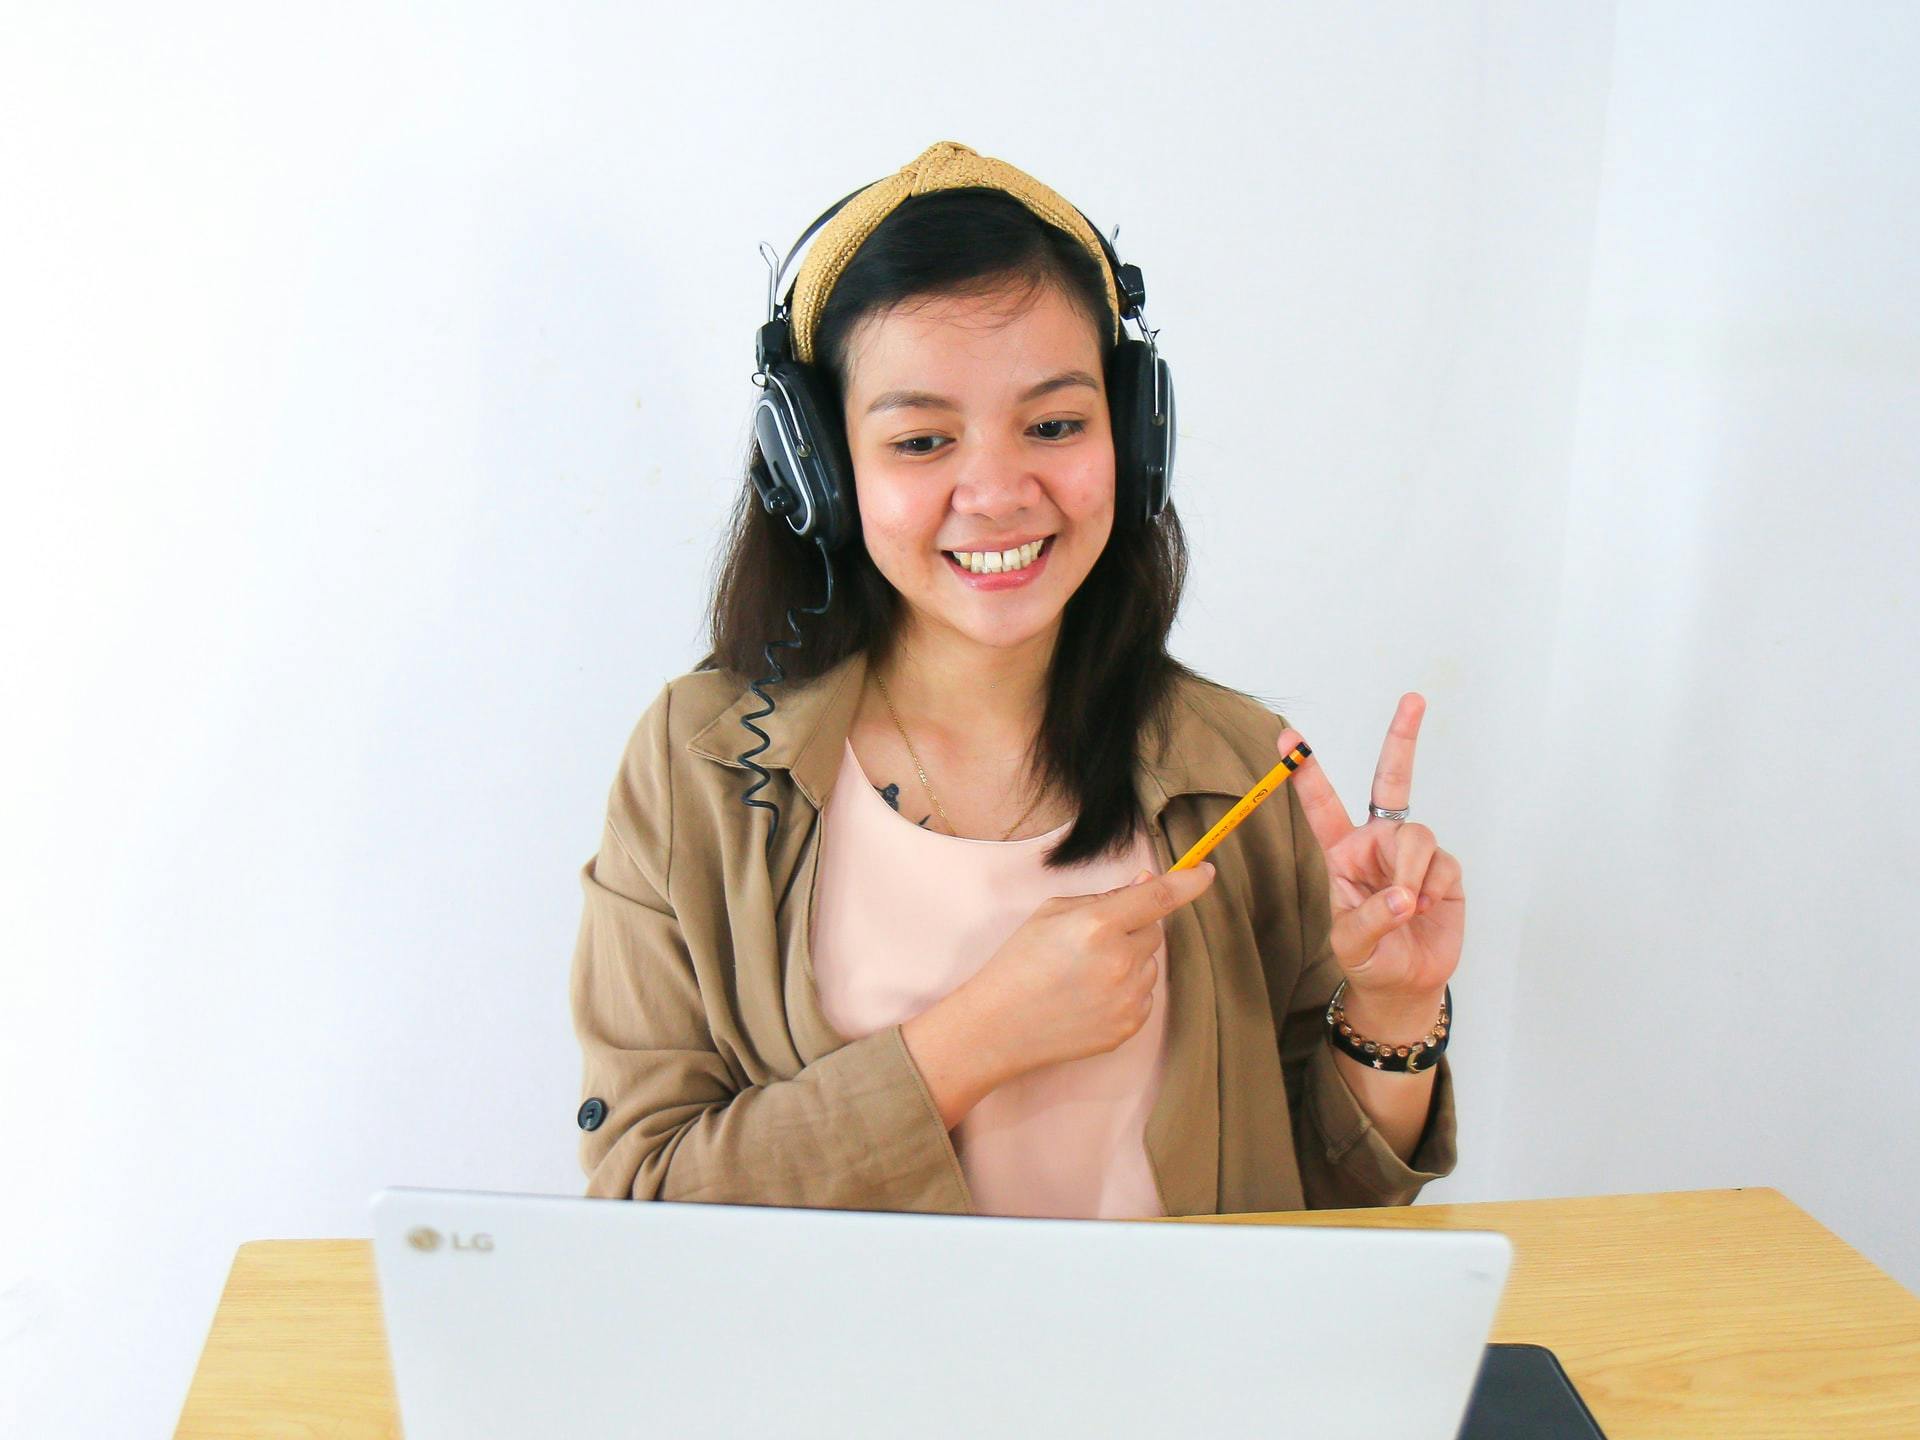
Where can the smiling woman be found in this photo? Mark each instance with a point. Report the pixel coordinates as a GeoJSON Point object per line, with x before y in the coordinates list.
{"type": "Point", "coordinates": [957, 972]}
{"type": "Point", "coordinates": [967, 346]}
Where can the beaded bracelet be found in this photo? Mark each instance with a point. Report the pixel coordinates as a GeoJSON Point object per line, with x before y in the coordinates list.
{"type": "Point", "coordinates": [1412, 1059]}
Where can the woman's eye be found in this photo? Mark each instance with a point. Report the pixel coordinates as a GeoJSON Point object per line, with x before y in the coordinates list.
{"type": "Point", "coordinates": [913, 444]}
{"type": "Point", "coordinates": [906, 447]}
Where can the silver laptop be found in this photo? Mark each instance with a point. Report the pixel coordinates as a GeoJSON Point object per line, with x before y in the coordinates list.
{"type": "Point", "coordinates": [557, 1317]}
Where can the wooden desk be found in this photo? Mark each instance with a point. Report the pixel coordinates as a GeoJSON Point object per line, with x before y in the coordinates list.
{"type": "Point", "coordinates": [1718, 1313]}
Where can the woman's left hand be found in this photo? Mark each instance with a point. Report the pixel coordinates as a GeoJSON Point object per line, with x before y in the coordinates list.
{"type": "Point", "coordinates": [1392, 960]}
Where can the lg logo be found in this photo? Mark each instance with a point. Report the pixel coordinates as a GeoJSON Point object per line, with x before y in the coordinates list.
{"type": "Point", "coordinates": [426, 1239]}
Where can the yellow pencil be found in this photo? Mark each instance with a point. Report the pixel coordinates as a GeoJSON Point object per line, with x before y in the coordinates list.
{"type": "Point", "coordinates": [1247, 804]}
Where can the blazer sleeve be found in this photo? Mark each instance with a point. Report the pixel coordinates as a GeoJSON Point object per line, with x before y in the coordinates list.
{"type": "Point", "coordinates": [1344, 1161]}
{"type": "Point", "coordinates": [856, 1129]}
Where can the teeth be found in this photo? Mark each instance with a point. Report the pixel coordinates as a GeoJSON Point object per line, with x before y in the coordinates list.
{"type": "Point", "coordinates": [995, 562]}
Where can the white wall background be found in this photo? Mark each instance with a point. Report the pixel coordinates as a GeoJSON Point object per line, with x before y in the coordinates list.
{"type": "Point", "coordinates": [374, 385]}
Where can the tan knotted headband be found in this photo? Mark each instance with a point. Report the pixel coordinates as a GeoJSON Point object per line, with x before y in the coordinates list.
{"type": "Point", "coordinates": [947, 165]}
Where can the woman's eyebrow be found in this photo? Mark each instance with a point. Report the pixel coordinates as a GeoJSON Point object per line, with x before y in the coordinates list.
{"type": "Point", "coordinates": [927, 400]}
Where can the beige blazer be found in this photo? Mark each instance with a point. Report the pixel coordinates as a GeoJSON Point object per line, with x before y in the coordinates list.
{"type": "Point", "coordinates": [711, 1074]}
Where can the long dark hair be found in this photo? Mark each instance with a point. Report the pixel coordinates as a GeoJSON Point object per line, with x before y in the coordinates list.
{"type": "Point", "coordinates": [1111, 681]}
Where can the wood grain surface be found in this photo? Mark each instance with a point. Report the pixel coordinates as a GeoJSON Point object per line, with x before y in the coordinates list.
{"type": "Point", "coordinates": [1723, 1313]}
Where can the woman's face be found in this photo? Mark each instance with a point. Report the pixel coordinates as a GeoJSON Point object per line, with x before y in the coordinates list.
{"type": "Point", "coordinates": [977, 430]}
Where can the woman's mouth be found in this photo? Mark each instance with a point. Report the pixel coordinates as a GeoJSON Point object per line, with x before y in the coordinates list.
{"type": "Point", "coordinates": [1000, 569]}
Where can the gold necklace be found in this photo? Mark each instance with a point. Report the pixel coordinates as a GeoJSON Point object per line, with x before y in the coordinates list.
{"type": "Point", "coordinates": [928, 784]}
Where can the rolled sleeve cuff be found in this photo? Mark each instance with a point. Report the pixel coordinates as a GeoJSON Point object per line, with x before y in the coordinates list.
{"type": "Point", "coordinates": [1355, 1147]}
{"type": "Point", "coordinates": [908, 1108]}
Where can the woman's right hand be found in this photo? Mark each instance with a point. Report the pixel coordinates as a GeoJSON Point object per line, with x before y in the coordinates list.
{"type": "Point", "coordinates": [1077, 977]}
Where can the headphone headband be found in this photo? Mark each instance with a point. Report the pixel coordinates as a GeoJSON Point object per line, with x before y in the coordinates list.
{"type": "Point", "coordinates": [946, 165]}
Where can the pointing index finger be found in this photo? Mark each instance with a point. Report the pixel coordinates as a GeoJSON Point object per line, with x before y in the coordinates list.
{"type": "Point", "coordinates": [1138, 906]}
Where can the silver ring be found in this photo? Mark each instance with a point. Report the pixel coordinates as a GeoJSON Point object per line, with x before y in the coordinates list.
{"type": "Point", "coordinates": [1377, 813]}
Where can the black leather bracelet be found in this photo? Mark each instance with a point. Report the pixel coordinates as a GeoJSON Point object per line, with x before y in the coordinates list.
{"type": "Point", "coordinates": [1414, 1059]}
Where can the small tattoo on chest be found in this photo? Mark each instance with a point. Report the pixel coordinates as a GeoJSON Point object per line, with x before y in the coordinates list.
{"type": "Point", "coordinates": [891, 794]}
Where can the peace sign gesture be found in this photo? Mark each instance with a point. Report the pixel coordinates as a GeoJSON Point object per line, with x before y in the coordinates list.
{"type": "Point", "coordinates": [1406, 958]}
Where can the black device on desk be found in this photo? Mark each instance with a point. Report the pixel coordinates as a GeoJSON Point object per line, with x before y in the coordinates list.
{"type": "Point", "coordinates": [1523, 1393]}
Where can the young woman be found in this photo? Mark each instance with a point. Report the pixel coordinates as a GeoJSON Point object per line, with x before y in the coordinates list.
{"type": "Point", "coordinates": [956, 974]}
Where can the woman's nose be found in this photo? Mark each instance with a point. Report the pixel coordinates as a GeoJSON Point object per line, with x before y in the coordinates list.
{"type": "Point", "coordinates": [996, 478]}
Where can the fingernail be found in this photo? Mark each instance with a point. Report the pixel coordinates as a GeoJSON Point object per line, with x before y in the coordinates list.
{"type": "Point", "coordinates": [1426, 903]}
{"type": "Point", "coordinates": [1143, 875]}
{"type": "Point", "coordinates": [1206, 865]}
{"type": "Point", "coordinates": [1397, 900]}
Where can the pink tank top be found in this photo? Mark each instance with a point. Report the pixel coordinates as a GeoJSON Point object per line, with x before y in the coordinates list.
{"type": "Point", "coordinates": [902, 916]}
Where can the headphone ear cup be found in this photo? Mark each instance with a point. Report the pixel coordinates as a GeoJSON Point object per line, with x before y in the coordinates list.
{"type": "Point", "coordinates": [1160, 447]}
{"type": "Point", "coordinates": [798, 427]}
{"type": "Point", "coordinates": [1142, 450]}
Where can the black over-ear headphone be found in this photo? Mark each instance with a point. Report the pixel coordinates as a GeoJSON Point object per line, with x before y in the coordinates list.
{"type": "Point", "coordinates": [807, 475]}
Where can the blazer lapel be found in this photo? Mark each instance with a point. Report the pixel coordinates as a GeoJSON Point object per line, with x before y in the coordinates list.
{"type": "Point", "coordinates": [1183, 1134]}
{"type": "Point", "coordinates": [807, 731]}
{"type": "Point", "coordinates": [807, 737]}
